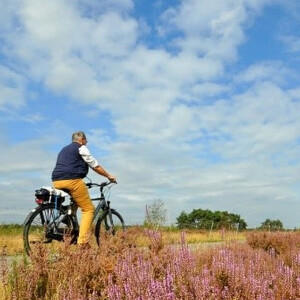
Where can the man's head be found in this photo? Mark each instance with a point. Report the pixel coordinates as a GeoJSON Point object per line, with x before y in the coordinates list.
{"type": "Point", "coordinates": [79, 137]}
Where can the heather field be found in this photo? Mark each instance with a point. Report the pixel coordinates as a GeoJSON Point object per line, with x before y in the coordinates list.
{"type": "Point", "coordinates": [147, 265]}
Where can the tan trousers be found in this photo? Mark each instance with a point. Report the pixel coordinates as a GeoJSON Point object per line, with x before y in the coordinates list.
{"type": "Point", "coordinates": [82, 198]}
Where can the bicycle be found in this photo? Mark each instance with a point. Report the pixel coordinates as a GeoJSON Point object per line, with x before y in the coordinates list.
{"type": "Point", "coordinates": [51, 222]}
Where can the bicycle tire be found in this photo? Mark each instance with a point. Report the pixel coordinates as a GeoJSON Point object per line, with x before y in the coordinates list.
{"type": "Point", "coordinates": [108, 225]}
{"type": "Point", "coordinates": [40, 231]}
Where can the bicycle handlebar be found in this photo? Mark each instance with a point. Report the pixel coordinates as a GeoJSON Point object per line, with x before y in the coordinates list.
{"type": "Point", "coordinates": [101, 185]}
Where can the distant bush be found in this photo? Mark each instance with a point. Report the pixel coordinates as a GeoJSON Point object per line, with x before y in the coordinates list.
{"type": "Point", "coordinates": [271, 225]}
{"type": "Point", "coordinates": [10, 228]}
{"type": "Point", "coordinates": [282, 244]}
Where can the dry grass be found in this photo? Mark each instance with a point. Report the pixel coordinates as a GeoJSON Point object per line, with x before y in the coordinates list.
{"type": "Point", "coordinates": [191, 236]}
{"type": "Point", "coordinates": [1, 291]}
{"type": "Point", "coordinates": [11, 241]}
{"type": "Point", "coordinates": [13, 245]}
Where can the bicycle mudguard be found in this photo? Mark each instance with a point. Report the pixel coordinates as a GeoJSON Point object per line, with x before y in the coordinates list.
{"type": "Point", "coordinates": [29, 215]}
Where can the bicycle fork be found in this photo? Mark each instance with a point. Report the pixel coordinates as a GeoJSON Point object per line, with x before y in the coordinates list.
{"type": "Point", "coordinates": [110, 222]}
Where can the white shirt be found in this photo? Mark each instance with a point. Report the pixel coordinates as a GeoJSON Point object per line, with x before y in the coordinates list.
{"type": "Point", "coordinates": [87, 157]}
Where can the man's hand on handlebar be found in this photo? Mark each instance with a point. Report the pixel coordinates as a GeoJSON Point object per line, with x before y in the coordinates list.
{"type": "Point", "coordinates": [112, 178]}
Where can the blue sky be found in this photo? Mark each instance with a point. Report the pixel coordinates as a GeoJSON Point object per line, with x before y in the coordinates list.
{"type": "Point", "coordinates": [193, 102]}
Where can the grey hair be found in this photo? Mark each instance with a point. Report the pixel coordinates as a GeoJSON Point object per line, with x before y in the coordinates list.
{"type": "Point", "coordinates": [77, 136]}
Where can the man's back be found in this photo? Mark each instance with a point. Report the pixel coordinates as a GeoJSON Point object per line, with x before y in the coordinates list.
{"type": "Point", "coordinates": [70, 164]}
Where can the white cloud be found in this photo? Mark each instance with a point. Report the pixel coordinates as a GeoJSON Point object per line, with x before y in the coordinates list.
{"type": "Point", "coordinates": [266, 71]}
{"type": "Point", "coordinates": [294, 93]}
{"type": "Point", "coordinates": [49, 23]}
{"type": "Point", "coordinates": [205, 92]}
{"type": "Point", "coordinates": [114, 35]}
{"type": "Point", "coordinates": [256, 124]}
{"type": "Point", "coordinates": [12, 88]}
{"type": "Point", "coordinates": [292, 43]}
{"type": "Point", "coordinates": [50, 33]}
{"type": "Point", "coordinates": [101, 54]}
{"type": "Point", "coordinates": [95, 7]}
{"type": "Point", "coordinates": [25, 157]}
{"type": "Point", "coordinates": [209, 30]}
{"type": "Point", "coordinates": [33, 118]}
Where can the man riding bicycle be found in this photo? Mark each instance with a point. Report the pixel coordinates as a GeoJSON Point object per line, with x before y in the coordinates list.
{"type": "Point", "coordinates": [72, 165]}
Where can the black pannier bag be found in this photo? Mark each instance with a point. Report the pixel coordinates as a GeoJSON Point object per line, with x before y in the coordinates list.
{"type": "Point", "coordinates": [44, 195]}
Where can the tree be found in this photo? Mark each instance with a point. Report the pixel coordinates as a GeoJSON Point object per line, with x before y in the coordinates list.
{"type": "Point", "coordinates": [206, 219]}
{"type": "Point", "coordinates": [271, 225]}
{"type": "Point", "coordinates": [183, 220]}
{"type": "Point", "coordinates": [155, 214]}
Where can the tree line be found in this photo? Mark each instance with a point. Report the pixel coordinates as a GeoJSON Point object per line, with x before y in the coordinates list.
{"type": "Point", "coordinates": [203, 219]}
{"type": "Point", "coordinates": [207, 219]}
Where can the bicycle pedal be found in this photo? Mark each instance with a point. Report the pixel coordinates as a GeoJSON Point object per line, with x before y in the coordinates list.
{"type": "Point", "coordinates": [47, 241]}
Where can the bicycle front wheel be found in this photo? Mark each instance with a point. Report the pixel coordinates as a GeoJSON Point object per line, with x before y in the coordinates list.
{"type": "Point", "coordinates": [42, 228]}
{"type": "Point", "coordinates": [110, 223]}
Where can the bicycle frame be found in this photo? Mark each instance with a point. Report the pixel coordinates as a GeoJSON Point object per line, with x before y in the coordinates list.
{"type": "Point", "coordinates": [102, 205]}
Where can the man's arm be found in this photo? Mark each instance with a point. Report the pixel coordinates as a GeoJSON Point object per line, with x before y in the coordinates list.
{"type": "Point", "coordinates": [98, 169]}
{"type": "Point", "coordinates": [93, 163]}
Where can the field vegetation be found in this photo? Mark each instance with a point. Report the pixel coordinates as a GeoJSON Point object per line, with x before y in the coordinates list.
{"type": "Point", "coordinates": [147, 264]}
{"type": "Point", "coordinates": [11, 239]}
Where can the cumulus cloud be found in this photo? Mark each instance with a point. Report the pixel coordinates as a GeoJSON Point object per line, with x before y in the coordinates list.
{"type": "Point", "coordinates": [292, 43]}
{"type": "Point", "coordinates": [94, 7]}
{"type": "Point", "coordinates": [215, 31]}
{"type": "Point", "coordinates": [12, 88]}
{"type": "Point", "coordinates": [26, 156]}
{"type": "Point", "coordinates": [266, 71]}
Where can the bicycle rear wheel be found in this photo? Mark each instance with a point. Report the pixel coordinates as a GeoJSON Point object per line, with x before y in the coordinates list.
{"type": "Point", "coordinates": [42, 228]}
{"type": "Point", "coordinates": [110, 223]}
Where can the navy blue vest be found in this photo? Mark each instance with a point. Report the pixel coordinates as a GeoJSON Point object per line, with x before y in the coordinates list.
{"type": "Point", "coordinates": [70, 164]}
